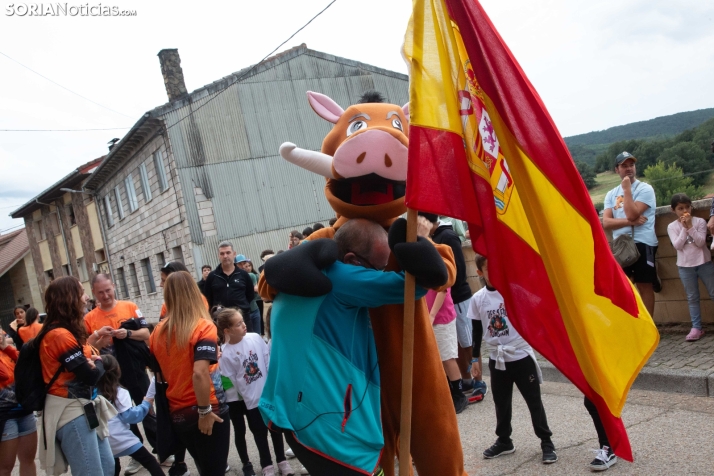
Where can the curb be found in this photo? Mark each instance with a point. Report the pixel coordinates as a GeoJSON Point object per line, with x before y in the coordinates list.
{"type": "Point", "coordinates": [691, 382]}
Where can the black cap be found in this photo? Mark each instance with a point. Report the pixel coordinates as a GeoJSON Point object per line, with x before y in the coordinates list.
{"type": "Point", "coordinates": [623, 156]}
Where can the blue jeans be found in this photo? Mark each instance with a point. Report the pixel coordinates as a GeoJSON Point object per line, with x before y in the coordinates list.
{"type": "Point", "coordinates": [84, 451]}
{"type": "Point", "coordinates": [690, 277]}
{"type": "Point", "coordinates": [252, 323]}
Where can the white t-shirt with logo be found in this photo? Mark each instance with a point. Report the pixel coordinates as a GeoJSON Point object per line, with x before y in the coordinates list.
{"type": "Point", "coordinates": [488, 307]}
{"type": "Point", "coordinates": [246, 364]}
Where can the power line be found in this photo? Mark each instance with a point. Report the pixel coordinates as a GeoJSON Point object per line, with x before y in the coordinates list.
{"type": "Point", "coordinates": [683, 175]}
{"type": "Point", "coordinates": [11, 228]}
{"type": "Point", "coordinates": [252, 68]}
{"type": "Point", "coordinates": [237, 79]}
{"type": "Point", "coordinates": [63, 87]}
{"type": "Point", "coordinates": [64, 130]}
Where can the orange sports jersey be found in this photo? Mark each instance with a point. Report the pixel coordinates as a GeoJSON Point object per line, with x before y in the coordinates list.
{"type": "Point", "coordinates": [123, 311]}
{"type": "Point", "coordinates": [177, 363]}
{"type": "Point", "coordinates": [8, 402]}
{"type": "Point", "coordinates": [59, 347]}
{"type": "Point", "coordinates": [163, 307]}
{"type": "Point", "coordinates": [29, 332]}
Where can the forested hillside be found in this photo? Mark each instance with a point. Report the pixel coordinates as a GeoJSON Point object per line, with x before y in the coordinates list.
{"type": "Point", "coordinates": [586, 147]}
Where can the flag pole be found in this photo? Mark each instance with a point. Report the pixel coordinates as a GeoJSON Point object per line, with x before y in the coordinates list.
{"type": "Point", "coordinates": [405, 431]}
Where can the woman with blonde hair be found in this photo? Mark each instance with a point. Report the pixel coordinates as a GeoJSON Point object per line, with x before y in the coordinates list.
{"type": "Point", "coordinates": [184, 346]}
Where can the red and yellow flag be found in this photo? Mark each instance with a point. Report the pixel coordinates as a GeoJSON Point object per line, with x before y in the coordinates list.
{"type": "Point", "coordinates": [483, 148]}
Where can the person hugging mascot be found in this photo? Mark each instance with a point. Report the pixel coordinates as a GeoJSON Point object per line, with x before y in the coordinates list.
{"type": "Point", "coordinates": [364, 159]}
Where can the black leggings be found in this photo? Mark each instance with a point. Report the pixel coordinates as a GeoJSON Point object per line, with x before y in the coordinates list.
{"type": "Point", "coordinates": [260, 434]}
{"type": "Point", "coordinates": [317, 465]}
{"type": "Point", "coordinates": [146, 459]}
{"type": "Point", "coordinates": [209, 452]}
{"type": "Point", "coordinates": [601, 435]}
{"type": "Point", "coordinates": [524, 374]}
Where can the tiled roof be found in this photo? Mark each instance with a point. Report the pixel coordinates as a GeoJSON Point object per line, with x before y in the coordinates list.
{"type": "Point", "coordinates": [13, 247]}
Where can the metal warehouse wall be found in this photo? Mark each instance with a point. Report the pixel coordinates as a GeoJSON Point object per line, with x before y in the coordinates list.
{"type": "Point", "coordinates": [229, 148]}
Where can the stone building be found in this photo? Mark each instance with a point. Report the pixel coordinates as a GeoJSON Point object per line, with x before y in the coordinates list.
{"type": "Point", "coordinates": [63, 230]}
{"type": "Point", "coordinates": [18, 282]}
{"type": "Point", "coordinates": [205, 167]}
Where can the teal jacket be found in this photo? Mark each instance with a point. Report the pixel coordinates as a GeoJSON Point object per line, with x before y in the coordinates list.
{"type": "Point", "coordinates": [323, 382]}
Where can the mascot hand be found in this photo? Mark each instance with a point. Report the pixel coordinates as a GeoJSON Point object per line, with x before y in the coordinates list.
{"type": "Point", "coordinates": [299, 270]}
{"type": "Point", "coordinates": [420, 259]}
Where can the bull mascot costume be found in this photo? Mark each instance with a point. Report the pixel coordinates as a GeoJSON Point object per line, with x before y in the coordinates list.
{"type": "Point", "coordinates": [364, 159]}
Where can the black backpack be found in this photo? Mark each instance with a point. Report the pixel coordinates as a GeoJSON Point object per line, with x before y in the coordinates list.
{"type": "Point", "coordinates": [30, 387]}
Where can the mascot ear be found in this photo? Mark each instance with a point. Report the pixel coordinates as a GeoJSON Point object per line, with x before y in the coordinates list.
{"type": "Point", "coordinates": [325, 107]}
{"type": "Point", "coordinates": [405, 110]}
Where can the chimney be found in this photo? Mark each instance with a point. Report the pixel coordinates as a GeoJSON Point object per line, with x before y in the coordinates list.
{"type": "Point", "coordinates": [173, 74]}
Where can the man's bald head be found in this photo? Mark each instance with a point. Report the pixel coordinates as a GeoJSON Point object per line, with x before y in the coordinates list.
{"type": "Point", "coordinates": [103, 290]}
{"type": "Point", "coordinates": [361, 240]}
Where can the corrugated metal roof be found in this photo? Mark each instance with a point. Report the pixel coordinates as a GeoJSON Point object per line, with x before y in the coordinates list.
{"type": "Point", "coordinates": [229, 145]}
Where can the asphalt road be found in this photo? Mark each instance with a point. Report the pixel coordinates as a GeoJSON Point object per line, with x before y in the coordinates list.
{"type": "Point", "coordinates": [669, 433]}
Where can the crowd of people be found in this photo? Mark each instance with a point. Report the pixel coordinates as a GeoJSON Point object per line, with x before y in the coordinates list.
{"type": "Point", "coordinates": [217, 360]}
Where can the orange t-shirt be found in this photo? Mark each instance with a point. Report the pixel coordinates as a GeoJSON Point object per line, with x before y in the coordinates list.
{"type": "Point", "coordinates": [123, 311]}
{"type": "Point", "coordinates": [163, 307]}
{"type": "Point", "coordinates": [29, 332]}
{"type": "Point", "coordinates": [59, 347]}
{"type": "Point", "coordinates": [8, 357]}
{"type": "Point", "coordinates": [177, 363]}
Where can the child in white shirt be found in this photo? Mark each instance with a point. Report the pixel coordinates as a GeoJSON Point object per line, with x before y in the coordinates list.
{"type": "Point", "coordinates": [511, 360]}
{"type": "Point", "coordinates": [122, 441]}
{"type": "Point", "coordinates": [244, 362]}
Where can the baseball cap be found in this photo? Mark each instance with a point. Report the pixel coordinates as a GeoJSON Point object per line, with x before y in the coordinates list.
{"type": "Point", "coordinates": [240, 259]}
{"type": "Point", "coordinates": [623, 156]}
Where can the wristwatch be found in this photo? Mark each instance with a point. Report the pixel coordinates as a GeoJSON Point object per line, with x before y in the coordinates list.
{"type": "Point", "coordinates": [128, 333]}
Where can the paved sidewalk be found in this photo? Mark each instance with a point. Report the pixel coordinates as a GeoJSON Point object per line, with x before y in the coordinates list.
{"type": "Point", "coordinates": [676, 366]}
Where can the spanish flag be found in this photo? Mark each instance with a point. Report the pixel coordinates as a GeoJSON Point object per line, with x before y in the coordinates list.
{"type": "Point", "coordinates": [483, 148]}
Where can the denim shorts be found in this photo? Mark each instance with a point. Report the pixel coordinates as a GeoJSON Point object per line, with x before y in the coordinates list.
{"type": "Point", "coordinates": [17, 427]}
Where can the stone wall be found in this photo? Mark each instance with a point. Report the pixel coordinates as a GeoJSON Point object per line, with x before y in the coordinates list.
{"type": "Point", "coordinates": [156, 230]}
{"type": "Point", "coordinates": [670, 304]}
{"type": "Point", "coordinates": [25, 288]}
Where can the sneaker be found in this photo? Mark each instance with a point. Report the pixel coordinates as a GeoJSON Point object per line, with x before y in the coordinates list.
{"type": "Point", "coordinates": [480, 388]}
{"type": "Point", "coordinates": [133, 467]}
{"type": "Point", "coordinates": [549, 456]}
{"type": "Point", "coordinates": [285, 469]}
{"type": "Point", "coordinates": [168, 461]}
{"type": "Point", "coordinates": [604, 458]}
{"type": "Point", "coordinates": [475, 398]}
{"type": "Point", "coordinates": [460, 401]}
{"type": "Point", "coordinates": [228, 468]}
{"type": "Point", "coordinates": [467, 385]}
{"type": "Point", "coordinates": [248, 469]}
{"type": "Point", "coordinates": [179, 469]}
{"type": "Point", "coordinates": [269, 471]}
{"type": "Point", "coordinates": [289, 453]}
{"type": "Point", "coordinates": [498, 449]}
{"type": "Point", "coordinates": [694, 334]}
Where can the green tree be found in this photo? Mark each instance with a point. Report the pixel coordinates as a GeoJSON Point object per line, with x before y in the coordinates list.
{"type": "Point", "coordinates": [668, 180]}
{"type": "Point", "coordinates": [690, 158]}
{"type": "Point", "coordinates": [587, 174]}
{"type": "Point", "coordinates": [606, 160]}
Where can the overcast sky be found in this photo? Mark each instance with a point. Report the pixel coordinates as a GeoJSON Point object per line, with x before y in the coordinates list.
{"type": "Point", "coordinates": [595, 64]}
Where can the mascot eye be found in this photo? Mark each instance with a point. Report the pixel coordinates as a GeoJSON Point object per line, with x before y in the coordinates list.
{"type": "Point", "coordinates": [356, 126]}
{"type": "Point", "coordinates": [397, 124]}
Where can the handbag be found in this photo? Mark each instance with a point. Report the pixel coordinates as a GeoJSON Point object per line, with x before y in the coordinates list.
{"type": "Point", "coordinates": [625, 250]}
